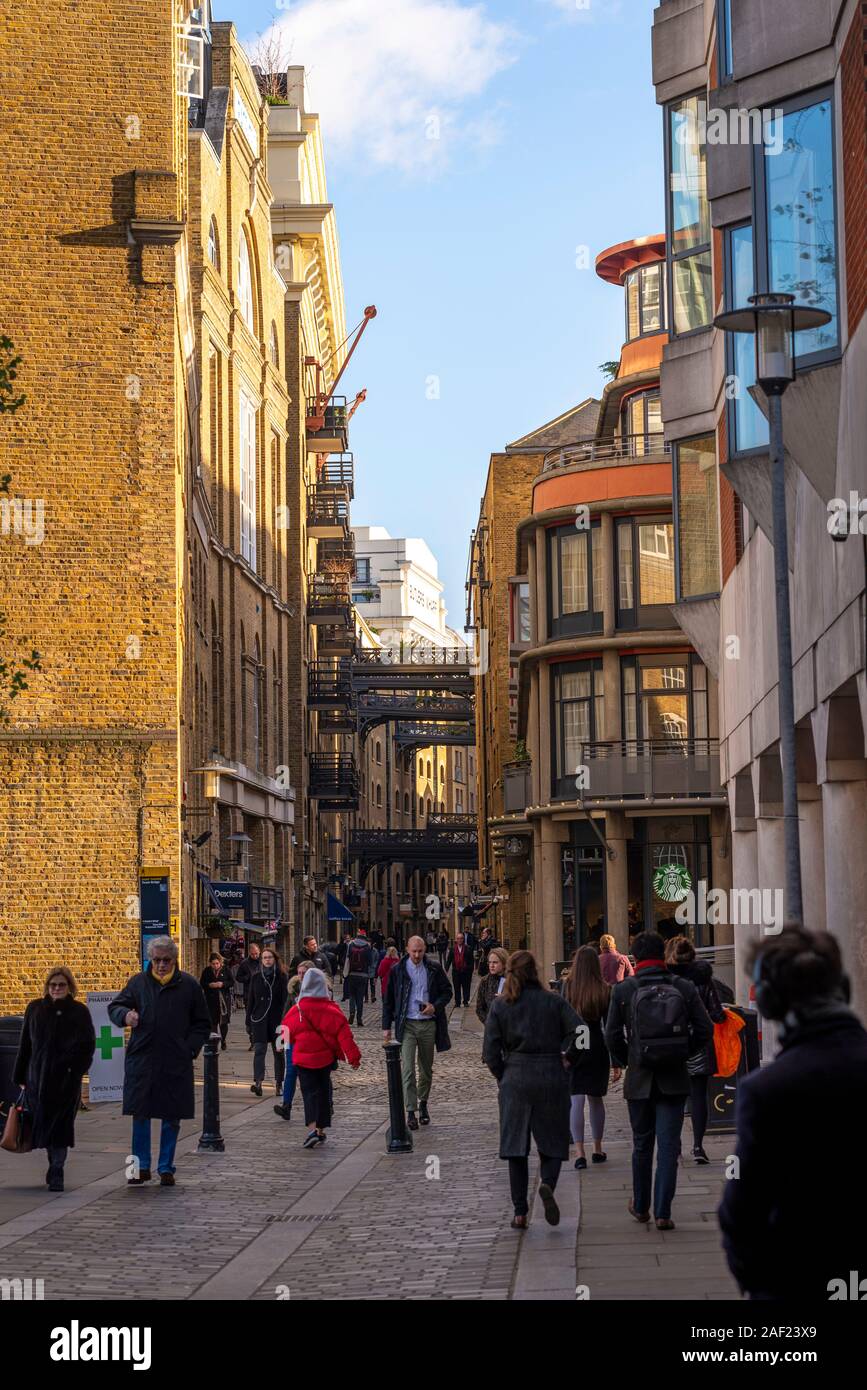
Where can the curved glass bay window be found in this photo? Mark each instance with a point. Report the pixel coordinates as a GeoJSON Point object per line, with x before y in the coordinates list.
{"type": "Point", "coordinates": [578, 717]}
{"type": "Point", "coordinates": [664, 700]}
{"type": "Point", "coordinates": [696, 508]}
{"type": "Point", "coordinates": [690, 274]}
{"type": "Point", "coordinates": [795, 217]}
{"type": "Point", "coordinates": [641, 422]}
{"type": "Point", "coordinates": [644, 301]}
{"type": "Point", "coordinates": [644, 590]}
{"type": "Point", "coordinates": [575, 580]}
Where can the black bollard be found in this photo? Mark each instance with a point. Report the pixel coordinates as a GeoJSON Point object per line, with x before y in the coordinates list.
{"type": "Point", "coordinates": [398, 1139]}
{"type": "Point", "coordinates": [211, 1140]}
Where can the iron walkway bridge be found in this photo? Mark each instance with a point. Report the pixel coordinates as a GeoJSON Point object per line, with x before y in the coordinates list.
{"type": "Point", "coordinates": [421, 667]}
{"type": "Point", "coordinates": [383, 707]}
{"type": "Point", "coordinates": [447, 842]}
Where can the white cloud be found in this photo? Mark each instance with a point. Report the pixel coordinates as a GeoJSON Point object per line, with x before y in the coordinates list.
{"type": "Point", "coordinates": [588, 11]}
{"type": "Point", "coordinates": [398, 82]}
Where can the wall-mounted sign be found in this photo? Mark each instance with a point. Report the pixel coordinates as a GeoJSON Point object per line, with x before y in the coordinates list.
{"type": "Point", "coordinates": [232, 897]}
{"type": "Point", "coordinates": [671, 883]}
{"type": "Point", "coordinates": [245, 121]}
{"type": "Point", "coordinates": [154, 898]}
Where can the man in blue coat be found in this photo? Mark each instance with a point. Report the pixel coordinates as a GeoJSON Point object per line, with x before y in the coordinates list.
{"type": "Point", "coordinates": [167, 1012]}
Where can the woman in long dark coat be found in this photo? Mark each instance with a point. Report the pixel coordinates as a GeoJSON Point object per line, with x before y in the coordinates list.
{"type": "Point", "coordinates": [589, 995]}
{"type": "Point", "coordinates": [266, 1007]}
{"type": "Point", "coordinates": [527, 1028]}
{"type": "Point", "coordinates": [56, 1049]}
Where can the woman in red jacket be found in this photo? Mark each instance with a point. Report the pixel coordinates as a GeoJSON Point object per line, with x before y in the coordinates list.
{"type": "Point", "coordinates": [385, 967]}
{"type": "Point", "coordinates": [318, 1035]}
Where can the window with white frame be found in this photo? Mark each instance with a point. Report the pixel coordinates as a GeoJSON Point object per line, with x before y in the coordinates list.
{"type": "Point", "coordinates": [247, 479]}
{"type": "Point", "coordinates": [245, 283]}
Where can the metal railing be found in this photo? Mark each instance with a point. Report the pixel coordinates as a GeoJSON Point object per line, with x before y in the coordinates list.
{"type": "Point", "coordinates": [621, 447]}
{"type": "Point", "coordinates": [329, 684]}
{"type": "Point", "coordinates": [667, 769]}
{"type": "Point", "coordinates": [326, 595]}
{"type": "Point", "coordinates": [334, 777]}
{"type": "Point", "coordinates": [338, 471]}
{"type": "Point", "coordinates": [335, 414]}
{"type": "Point", "coordinates": [327, 506]}
{"type": "Point", "coordinates": [422, 654]}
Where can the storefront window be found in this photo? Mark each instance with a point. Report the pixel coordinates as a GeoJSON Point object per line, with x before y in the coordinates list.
{"type": "Point", "coordinates": [695, 517]}
{"type": "Point", "coordinates": [688, 219]}
{"type": "Point", "coordinates": [795, 187]}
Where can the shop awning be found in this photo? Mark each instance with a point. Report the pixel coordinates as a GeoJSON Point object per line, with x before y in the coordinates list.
{"type": "Point", "coordinates": [336, 912]}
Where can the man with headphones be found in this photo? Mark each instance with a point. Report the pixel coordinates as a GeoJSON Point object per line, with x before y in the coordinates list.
{"type": "Point", "coordinates": [793, 1215]}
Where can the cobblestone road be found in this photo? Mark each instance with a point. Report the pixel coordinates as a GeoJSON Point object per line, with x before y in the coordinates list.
{"type": "Point", "coordinates": [269, 1220]}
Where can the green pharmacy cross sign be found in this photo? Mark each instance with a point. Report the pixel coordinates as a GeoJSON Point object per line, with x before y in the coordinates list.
{"type": "Point", "coordinates": [106, 1042]}
{"type": "Point", "coordinates": [671, 883]}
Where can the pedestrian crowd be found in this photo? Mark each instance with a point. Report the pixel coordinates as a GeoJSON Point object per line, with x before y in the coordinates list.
{"type": "Point", "coordinates": [655, 1017]}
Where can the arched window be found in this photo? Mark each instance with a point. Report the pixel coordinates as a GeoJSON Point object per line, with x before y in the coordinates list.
{"type": "Point", "coordinates": [397, 802]}
{"type": "Point", "coordinates": [428, 805]}
{"type": "Point", "coordinates": [256, 705]}
{"type": "Point", "coordinates": [245, 283]}
{"type": "Point", "coordinates": [421, 767]}
{"type": "Point", "coordinates": [378, 751]}
{"type": "Point", "coordinates": [406, 803]}
{"type": "Point", "coordinates": [442, 887]}
{"type": "Point", "coordinates": [428, 769]}
{"type": "Point", "coordinates": [379, 794]}
{"type": "Point", "coordinates": [213, 244]}
{"type": "Point", "coordinates": [275, 346]}
{"type": "Point", "coordinates": [442, 772]}
{"type": "Point", "coordinates": [420, 806]}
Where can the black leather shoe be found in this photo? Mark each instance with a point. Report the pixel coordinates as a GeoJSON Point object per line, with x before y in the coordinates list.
{"type": "Point", "coordinates": [55, 1180]}
{"type": "Point", "coordinates": [256, 1088]}
{"type": "Point", "coordinates": [284, 1111]}
{"type": "Point", "coordinates": [167, 1179]}
{"type": "Point", "coordinates": [423, 1116]}
{"type": "Point", "coordinates": [411, 1119]}
{"type": "Point", "coordinates": [144, 1176]}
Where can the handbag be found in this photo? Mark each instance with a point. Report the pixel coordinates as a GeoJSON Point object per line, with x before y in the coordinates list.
{"type": "Point", "coordinates": [698, 1063]}
{"type": "Point", "coordinates": [18, 1129]}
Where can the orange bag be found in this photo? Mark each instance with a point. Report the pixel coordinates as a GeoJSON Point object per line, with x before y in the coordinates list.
{"type": "Point", "coordinates": [727, 1044]}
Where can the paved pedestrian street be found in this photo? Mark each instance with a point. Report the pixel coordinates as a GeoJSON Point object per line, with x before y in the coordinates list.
{"type": "Point", "coordinates": [270, 1220]}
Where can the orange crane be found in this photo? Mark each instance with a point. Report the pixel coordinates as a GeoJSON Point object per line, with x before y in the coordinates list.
{"type": "Point", "coordinates": [316, 406]}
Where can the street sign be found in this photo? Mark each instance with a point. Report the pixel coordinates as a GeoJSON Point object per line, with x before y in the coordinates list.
{"type": "Point", "coordinates": [106, 1069]}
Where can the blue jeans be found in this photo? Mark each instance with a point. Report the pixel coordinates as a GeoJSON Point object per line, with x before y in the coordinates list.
{"type": "Point", "coordinates": [141, 1143]}
{"type": "Point", "coordinates": [289, 1079]}
{"type": "Point", "coordinates": [659, 1119]}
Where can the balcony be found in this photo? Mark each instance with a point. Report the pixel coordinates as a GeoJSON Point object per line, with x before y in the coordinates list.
{"type": "Point", "coordinates": [642, 770]}
{"type": "Point", "coordinates": [336, 641]}
{"type": "Point", "coordinates": [327, 512]}
{"type": "Point", "coordinates": [334, 781]}
{"type": "Point", "coordinates": [328, 426]}
{"type": "Point", "coordinates": [329, 685]}
{"type": "Point", "coordinates": [624, 448]}
{"type": "Point", "coordinates": [516, 788]}
{"type": "Point", "coordinates": [329, 602]}
{"type": "Point", "coordinates": [336, 557]}
{"type": "Point", "coordinates": [338, 472]}
{"type": "Point", "coordinates": [337, 721]}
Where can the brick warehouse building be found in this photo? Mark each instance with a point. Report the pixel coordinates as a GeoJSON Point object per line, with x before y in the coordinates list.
{"type": "Point", "coordinates": [163, 433]}
{"type": "Point", "coordinates": [785, 213]}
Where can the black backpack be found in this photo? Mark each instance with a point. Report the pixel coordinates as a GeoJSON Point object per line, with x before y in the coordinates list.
{"type": "Point", "coordinates": [659, 1031]}
{"type": "Point", "coordinates": [359, 958]}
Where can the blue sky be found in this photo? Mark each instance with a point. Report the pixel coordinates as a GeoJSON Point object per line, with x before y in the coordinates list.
{"type": "Point", "coordinates": [549, 139]}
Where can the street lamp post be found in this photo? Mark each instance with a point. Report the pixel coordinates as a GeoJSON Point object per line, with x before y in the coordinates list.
{"type": "Point", "coordinates": [774, 319]}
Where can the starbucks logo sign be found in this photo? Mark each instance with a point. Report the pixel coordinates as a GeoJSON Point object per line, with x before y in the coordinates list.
{"type": "Point", "coordinates": [672, 882]}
